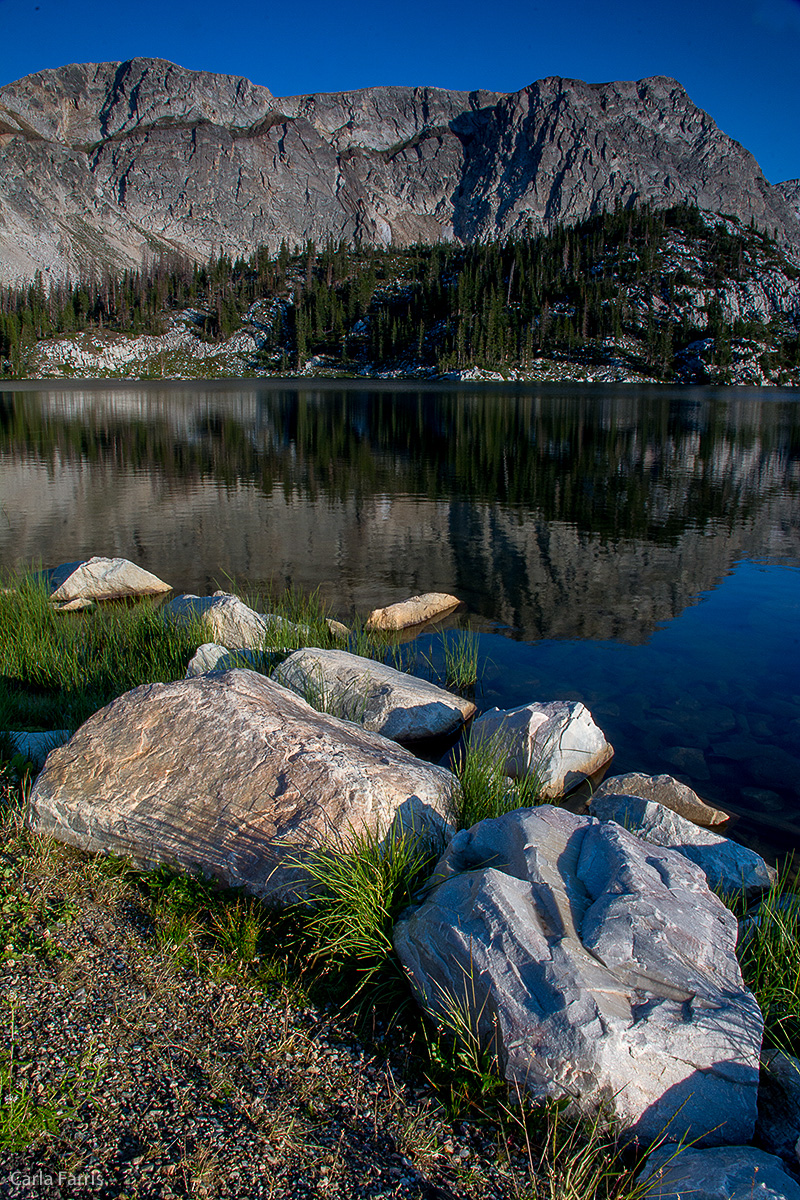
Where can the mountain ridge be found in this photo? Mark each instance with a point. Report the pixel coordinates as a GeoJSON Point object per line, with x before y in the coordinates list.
{"type": "Point", "coordinates": [108, 166]}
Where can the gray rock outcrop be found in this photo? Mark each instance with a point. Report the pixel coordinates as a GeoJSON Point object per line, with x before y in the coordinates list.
{"type": "Point", "coordinates": [399, 706]}
{"type": "Point", "coordinates": [557, 742]}
{"type": "Point", "coordinates": [667, 791]}
{"type": "Point", "coordinates": [727, 1173]}
{"type": "Point", "coordinates": [231, 775]}
{"type": "Point", "coordinates": [593, 966]}
{"type": "Point", "coordinates": [728, 867]}
{"type": "Point", "coordinates": [107, 163]}
{"type": "Point", "coordinates": [101, 579]}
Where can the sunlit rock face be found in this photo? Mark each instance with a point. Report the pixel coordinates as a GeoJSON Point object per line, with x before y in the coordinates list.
{"type": "Point", "coordinates": [105, 163]}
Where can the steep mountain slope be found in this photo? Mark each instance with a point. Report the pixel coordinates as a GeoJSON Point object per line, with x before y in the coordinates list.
{"type": "Point", "coordinates": [111, 164]}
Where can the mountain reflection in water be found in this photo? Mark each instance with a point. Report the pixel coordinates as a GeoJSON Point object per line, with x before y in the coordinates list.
{"type": "Point", "coordinates": [595, 518]}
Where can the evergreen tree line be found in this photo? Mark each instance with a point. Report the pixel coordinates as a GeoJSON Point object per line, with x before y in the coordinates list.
{"type": "Point", "coordinates": [492, 305]}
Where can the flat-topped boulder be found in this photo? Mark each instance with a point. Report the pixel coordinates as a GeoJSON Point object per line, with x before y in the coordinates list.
{"type": "Point", "coordinates": [593, 966]}
{"type": "Point", "coordinates": [666, 790]}
{"type": "Point", "coordinates": [728, 867]}
{"type": "Point", "coordinates": [399, 706]}
{"type": "Point", "coordinates": [417, 610]}
{"type": "Point", "coordinates": [724, 1173]}
{"type": "Point", "coordinates": [231, 622]}
{"type": "Point", "coordinates": [556, 742]}
{"type": "Point", "coordinates": [231, 775]}
{"type": "Point", "coordinates": [101, 579]}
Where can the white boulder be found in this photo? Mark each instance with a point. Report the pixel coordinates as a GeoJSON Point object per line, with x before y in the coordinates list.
{"type": "Point", "coordinates": [593, 966]}
{"type": "Point", "coordinates": [101, 579]}
{"type": "Point", "coordinates": [557, 742]}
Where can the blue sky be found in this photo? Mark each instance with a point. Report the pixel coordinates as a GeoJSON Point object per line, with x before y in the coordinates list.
{"type": "Point", "coordinates": [739, 60]}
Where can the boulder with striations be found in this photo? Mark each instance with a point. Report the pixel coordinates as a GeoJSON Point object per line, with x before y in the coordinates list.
{"type": "Point", "coordinates": [233, 776]}
{"type": "Point", "coordinates": [400, 706]}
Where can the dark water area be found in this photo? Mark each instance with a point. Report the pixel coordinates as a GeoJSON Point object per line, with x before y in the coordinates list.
{"type": "Point", "coordinates": [635, 548]}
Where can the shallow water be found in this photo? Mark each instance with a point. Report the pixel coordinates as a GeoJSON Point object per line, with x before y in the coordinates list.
{"type": "Point", "coordinates": [637, 548]}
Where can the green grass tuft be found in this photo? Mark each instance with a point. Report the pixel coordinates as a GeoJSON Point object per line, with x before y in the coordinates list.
{"type": "Point", "coordinates": [769, 956]}
{"type": "Point", "coordinates": [484, 790]}
{"type": "Point", "coordinates": [359, 890]}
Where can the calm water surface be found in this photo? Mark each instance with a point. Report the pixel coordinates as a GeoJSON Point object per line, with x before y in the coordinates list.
{"type": "Point", "coordinates": [636, 548]}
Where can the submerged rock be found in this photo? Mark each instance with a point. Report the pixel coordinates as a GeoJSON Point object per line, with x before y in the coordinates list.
{"type": "Point", "coordinates": [101, 579]}
{"type": "Point", "coordinates": [666, 790]}
{"type": "Point", "coordinates": [414, 611]}
{"type": "Point", "coordinates": [728, 867]}
{"type": "Point", "coordinates": [727, 1173]}
{"type": "Point", "coordinates": [231, 775]}
{"type": "Point", "coordinates": [557, 742]}
{"type": "Point", "coordinates": [399, 706]}
{"type": "Point", "coordinates": [595, 966]}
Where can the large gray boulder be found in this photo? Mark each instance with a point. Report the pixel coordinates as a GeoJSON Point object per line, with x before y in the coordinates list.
{"type": "Point", "coordinates": [666, 790]}
{"type": "Point", "coordinates": [101, 579]}
{"type": "Point", "coordinates": [231, 622]}
{"type": "Point", "coordinates": [557, 742]}
{"type": "Point", "coordinates": [728, 867]}
{"type": "Point", "coordinates": [595, 966]}
{"type": "Point", "coordinates": [399, 706]}
{"type": "Point", "coordinates": [417, 610]}
{"type": "Point", "coordinates": [726, 1173]}
{"type": "Point", "coordinates": [231, 775]}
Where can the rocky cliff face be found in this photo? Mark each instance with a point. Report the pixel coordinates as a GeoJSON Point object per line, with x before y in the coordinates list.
{"type": "Point", "coordinates": [107, 165]}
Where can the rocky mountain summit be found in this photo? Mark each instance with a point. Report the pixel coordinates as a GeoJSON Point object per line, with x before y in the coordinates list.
{"type": "Point", "coordinates": [110, 165]}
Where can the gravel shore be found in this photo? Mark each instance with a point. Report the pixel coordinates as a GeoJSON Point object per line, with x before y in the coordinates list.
{"type": "Point", "coordinates": [139, 1062]}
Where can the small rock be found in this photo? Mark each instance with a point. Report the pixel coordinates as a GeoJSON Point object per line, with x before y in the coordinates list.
{"type": "Point", "coordinates": [102, 579]}
{"type": "Point", "coordinates": [689, 759]}
{"type": "Point", "coordinates": [724, 1173]}
{"type": "Point", "coordinates": [372, 694]}
{"type": "Point", "coordinates": [727, 866]}
{"type": "Point", "coordinates": [557, 742]}
{"type": "Point", "coordinates": [34, 746]}
{"type": "Point", "coordinates": [74, 605]}
{"type": "Point", "coordinates": [336, 628]}
{"type": "Point", "coordinates": [414, 611]}
{"type": "Point", "coordinates": [667, 791]}
{"type": "Point", "coordinates": [231, 622]}
{"type": "Point", "coordinates": [212, 657]}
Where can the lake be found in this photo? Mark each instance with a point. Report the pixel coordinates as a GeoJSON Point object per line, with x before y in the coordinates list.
{"type": "Point", "coordinates": [637, 548]}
